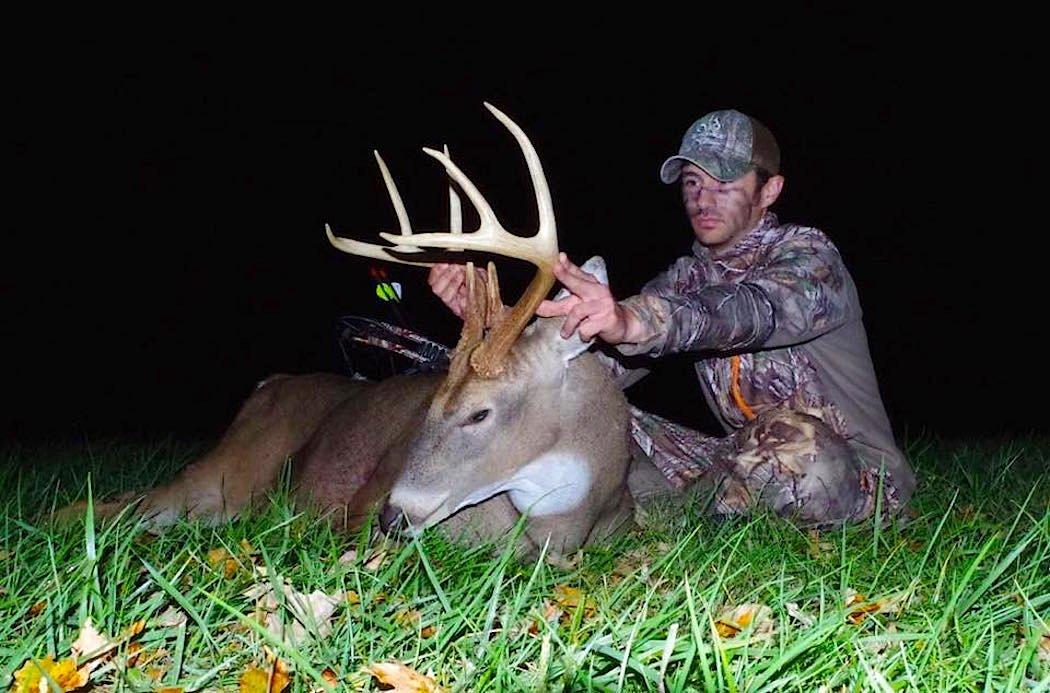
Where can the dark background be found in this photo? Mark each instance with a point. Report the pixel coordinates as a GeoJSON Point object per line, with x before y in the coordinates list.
{"type": "Point", "coordinates": [165, 246]}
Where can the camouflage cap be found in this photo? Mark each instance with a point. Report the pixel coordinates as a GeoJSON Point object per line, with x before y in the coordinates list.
{"type": "Point", "coordinates": [726, 145]}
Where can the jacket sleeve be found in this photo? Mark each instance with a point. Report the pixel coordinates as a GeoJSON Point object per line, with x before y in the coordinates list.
{"type": "Point", "coordinates": [799, 292]}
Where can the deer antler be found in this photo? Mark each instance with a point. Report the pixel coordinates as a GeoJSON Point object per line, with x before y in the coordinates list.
{"type": "Point", "coordinates": [541, 249]}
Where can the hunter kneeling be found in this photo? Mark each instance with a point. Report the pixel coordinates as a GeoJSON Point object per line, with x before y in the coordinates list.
{"type": "Point", "coordinates": [785, 363]}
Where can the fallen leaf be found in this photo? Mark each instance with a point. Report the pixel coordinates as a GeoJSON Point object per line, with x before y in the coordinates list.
{"type": "Point", "coordinates": [427, 632]}
{"type": "Point", "coordinates": [349, 557]}
{"type": "Point", "coordinates": [37, 608]}
{"type": "Point", "coordinates": [860, 608]}
{"type": "Point", "coordinates": [172, 617]}
{"type": "Point", "coordinates": [407, 617]}
{"type": "Point", "coordinates": [90, 644]}
{"type": "Point", "coordinates": [65, 674]}
{"type": "Point", "coordinates": [169, 689]}
{"type": "Point", "coordinates": [375, 561]}
{"type": "Point", "coordinates": [330, 677]}
{"type": "Point", "coordinates": [217, 556]}
{"type": "Point", "coordinates": [757, 618]}
{"type": "Point", "coordinates": [353, 598]}
{"type": "Point", "coordinates": [310, 613]}
{"type": "Point", "coordinates": [570, 598]}
{"type": "Point", "coordinates": [403, 679]}
{"type": "Point", "coordinates": [796, 613]}
{"type": "Point", "coordinates": [247, 548]}
{"type": "Point", "coordinates": [273, 679]}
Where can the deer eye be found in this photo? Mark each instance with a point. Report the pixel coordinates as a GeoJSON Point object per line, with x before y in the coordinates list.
{"type": "Point", "coordinates": [477, 417]}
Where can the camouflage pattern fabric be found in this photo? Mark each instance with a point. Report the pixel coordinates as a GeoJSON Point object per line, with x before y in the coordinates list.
{"type": "Point", "coordinates": [783, 303]}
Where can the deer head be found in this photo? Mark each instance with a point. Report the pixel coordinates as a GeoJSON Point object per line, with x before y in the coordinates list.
{"type": "Point", "coordinates": [511, 415]}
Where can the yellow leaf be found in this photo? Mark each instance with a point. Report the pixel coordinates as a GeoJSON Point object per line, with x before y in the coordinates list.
{"type": "Point", "coordinates": [406, 617]}
{"type": "Point", "coordinates": [427, 632]}
{"type": "Point", "coordinates": [247, 547]}
{"type": "Point", "coordinates": [255, 680]}
{"type": "Point", "coordinates": [169, 689]}
{"type": "Point", "coordinates": [860, 608]}
{"type": "Point", "coordinates": [353, 598]}
{"type": "Point", "coordinates": [37, 608]}
{"type": "Point", "coordinates": [756, 617]}
{"type": "Point", "coordinates": [229, 568]}
{"type": "Point", "coordinates": [571, 598]}
{"type": "Point", "coordinates": [217, 556]}
{"type": "Point", "coordinates": [403, 679]}
{"type": "Point", "coordinates": [30, 678]}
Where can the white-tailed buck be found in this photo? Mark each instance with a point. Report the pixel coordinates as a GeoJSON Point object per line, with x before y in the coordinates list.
{"type": "Point", "coordinates": [523, 422]}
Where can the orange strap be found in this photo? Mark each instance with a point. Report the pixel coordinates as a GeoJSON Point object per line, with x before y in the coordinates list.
{"type": "Point", "coordinates": [734, 388]}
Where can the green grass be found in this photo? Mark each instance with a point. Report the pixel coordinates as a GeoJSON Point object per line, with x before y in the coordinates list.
{"type": "Point", "coordinates": [966, 586]}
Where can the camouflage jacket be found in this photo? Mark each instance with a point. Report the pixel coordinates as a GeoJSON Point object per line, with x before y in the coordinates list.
{"type": "Point", "coordinates": [781, 299]}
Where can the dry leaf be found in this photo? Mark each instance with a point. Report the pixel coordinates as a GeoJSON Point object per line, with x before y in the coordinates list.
{"type": "Point", "coordinates": [310, 613]}
{"type": "Point", "coordinates": [30, 678]}
{"type": "Point", "coordinates": [796, 613]}
{"type": "Point", "coordinates": [570, 598]}
{"type": "Point", "coordinates": [169, 689]}
{"type": "Point", "coordinates": [37, 608]}
{"type": "Point", "coordinates": [255, 680]}
{"type": "Point", "coordinates": [407, 617]}
{"type": "Point", "coordinates": [403, 679]}
{"type": "Point", "coordinates": [247, 548]}
{"type": "Point", "coordinates": [376, 561]}
{"type": "Point", "coordinates": [172, 617]}
{"type": "Point", "coordinates": [330, 677]}
{"type": "Point", "coordinates": [349, 557]}
{"type": "Point", "coordinates": [427, 632]}
{"type": "Point", "coordinates": [756, 617]}
{"type": "Point", "coordinates": [217, 556]}
{"type": "Point", "coordinates": [860, 608]}
{"type": "Point", "coordinates": [90, 644]}
{"type": "Point", "coordinates": [353, 598]}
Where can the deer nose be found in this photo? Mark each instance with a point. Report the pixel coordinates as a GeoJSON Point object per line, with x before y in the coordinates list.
{"type": "Point", "coordinates": [389, 518]}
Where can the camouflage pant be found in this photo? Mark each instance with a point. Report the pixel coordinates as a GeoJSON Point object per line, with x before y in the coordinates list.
{"type": "Point", "coordinates": [786, 460]}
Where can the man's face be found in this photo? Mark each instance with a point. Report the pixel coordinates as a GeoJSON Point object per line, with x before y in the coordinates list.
{"type": "Point", "coordinates": [720, 213]}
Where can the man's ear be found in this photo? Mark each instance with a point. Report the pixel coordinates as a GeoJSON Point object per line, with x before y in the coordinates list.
{"type": "Point", "coordinates": [572, 347]}
{"type": "Point", "coordinates": [771, 191]}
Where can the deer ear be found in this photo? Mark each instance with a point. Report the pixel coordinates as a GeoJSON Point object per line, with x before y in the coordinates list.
{"type": "Point", "coordinates": [572, 347]}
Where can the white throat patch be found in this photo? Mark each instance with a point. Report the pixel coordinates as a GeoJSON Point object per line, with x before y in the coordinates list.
{"type": "Point", "coordinates": [549, 485]}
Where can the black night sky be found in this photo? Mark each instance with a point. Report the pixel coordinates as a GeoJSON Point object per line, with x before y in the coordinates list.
{"type": "Point", "coordinates": [165, 248]}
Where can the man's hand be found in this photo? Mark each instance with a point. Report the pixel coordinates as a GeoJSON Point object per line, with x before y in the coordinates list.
{"type": "Point", "coordinates": [449, 283]}
{"type": "Point", "coordinates": [590, 307]}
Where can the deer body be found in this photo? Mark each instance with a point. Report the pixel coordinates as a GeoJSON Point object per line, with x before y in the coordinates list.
{"type": "Point", "coordinates": [525, 422]}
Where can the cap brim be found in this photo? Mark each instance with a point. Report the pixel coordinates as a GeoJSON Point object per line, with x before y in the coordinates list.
{"type": "Point", "coordinates": [718, 167]}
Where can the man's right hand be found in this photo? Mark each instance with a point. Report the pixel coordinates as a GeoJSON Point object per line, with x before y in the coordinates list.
{"type": "Point", "coordinates": [449, 283]}
{"type": "Point", "coordinates": [590, 307]}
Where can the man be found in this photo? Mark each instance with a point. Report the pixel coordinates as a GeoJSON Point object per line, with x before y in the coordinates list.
{"type": "Point", "coordinates": [774, 318]}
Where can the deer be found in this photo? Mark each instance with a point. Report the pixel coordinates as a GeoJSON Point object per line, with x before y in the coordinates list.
{"type": "Point", "coordinates": [524, 423]}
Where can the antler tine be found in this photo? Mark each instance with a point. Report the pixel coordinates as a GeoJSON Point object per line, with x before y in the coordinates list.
{"type": "Point", "coordinates": [470, 336]}
{"type": "Point", "coordinates": [541, 249]}
{"type": "Point", "coordinates": [380, 252]}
